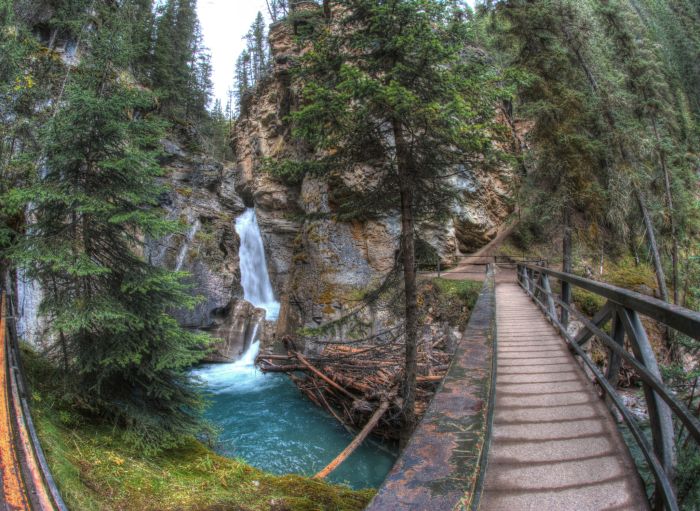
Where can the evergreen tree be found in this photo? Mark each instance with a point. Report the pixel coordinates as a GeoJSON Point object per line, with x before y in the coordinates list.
{"type": "Point", "coordinates": [565, 173]}
{"type": "Point", "coordinates": [277, 9]}
{"type": "Point", "coordinates": [125, 356]}
{"type": "Point", "coordinates": [253, 64]}
{"type": "Point", "coordinates": [242, 78]}
{"type": "Point", "coordinates": [29, 78]}
{"type": "Point", "coordinates": [181, 69]}
{"type": "Point", "coordinates": [257, 47]}
{"type": "Point", "coordinates": [397, 86]}
{"type": "Point", "coordinates": [143, 22]}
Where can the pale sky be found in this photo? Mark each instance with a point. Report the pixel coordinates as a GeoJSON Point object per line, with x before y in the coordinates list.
{"type": "Point", "coordinates": [224, 25]}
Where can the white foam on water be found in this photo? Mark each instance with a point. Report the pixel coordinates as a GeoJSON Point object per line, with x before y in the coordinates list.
{"type": "Point", "coordinates": [240, 375]}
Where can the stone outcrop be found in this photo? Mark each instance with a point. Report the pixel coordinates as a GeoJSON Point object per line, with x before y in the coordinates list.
{"type": "Point", "coordinates": [318, 264]}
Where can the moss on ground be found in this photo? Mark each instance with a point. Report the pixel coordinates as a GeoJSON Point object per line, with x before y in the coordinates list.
{"type": "Point", "coordinates": [95, 469]}
{"type": "Point", "coordinates": [448, 300]}
{"type": "Point", "coordinates": [466, 290]}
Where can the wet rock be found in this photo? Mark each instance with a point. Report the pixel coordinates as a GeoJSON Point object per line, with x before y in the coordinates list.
{"type": "Point", "coordinates": [237, 326]}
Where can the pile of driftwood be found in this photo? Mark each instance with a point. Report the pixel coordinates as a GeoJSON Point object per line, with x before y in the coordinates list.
{"type": "Point", "coordinates": [354, 380]}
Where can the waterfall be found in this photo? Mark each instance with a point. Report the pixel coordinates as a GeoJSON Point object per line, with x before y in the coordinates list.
{"type": "Point", "coordinates": [189, 237]}
{"type": "Point", "coordinates": [255, 280]}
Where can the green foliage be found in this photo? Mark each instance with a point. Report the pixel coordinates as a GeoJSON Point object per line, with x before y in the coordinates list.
{"type": "Point", "coordinates": [688, 470]}
{"type": "Point", "coordinates": [465, 290]}
{"type": "Point", "coordinates": [587, 302]}
{"type": "Point", "coordinates": [426, 255]}
{"type": "Point", "coordinates": [627, 273]}
{"type": "Point", "coordinates": [181, 65]}
{"type": "Point", "coordinates": [28, 75]}
{"type": "Point", "coordinates": [254, 62]}
{"type": "Point", "coordinates": [606, 86]}
{"type": "Point", "coordinates": [449, 301]}
{"type": "Point", "coordinates": [292, 172]}
{"type": "Point", "coordinates": [399, 68]}
{"type": "Point", "coordinates": [125, 357]}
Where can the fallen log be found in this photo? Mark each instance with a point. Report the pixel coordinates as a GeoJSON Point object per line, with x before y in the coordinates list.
{"type": "Point", "coordinates": [273, 368]}
{"type": "Point", "coordinates": [424, 379]}
{"type": "Point", "coordinates": [325, 378]}
{"type": "Point", "coordinates": [383, 407]}
{"type": "Point", "coordinates": [274, 357]}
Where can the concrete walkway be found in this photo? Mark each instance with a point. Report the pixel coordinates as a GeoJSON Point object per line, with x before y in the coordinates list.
{"type": "Point", "coordinates": [555, 445]}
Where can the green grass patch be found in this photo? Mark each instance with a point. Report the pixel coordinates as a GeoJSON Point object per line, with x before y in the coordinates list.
{"type": "Point", "coordinates": [450, 301]}
{"type": "Point", "coordinates": [626, 273]}
{"type": "Point", "coordinates": [466, 290]}
{"type": "Point", "coordinates": [587, 302]}
{"type": "Point", "coordinates": [95, 469]}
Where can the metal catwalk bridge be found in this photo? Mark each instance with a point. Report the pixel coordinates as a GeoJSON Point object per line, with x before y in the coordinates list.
{"type": "Point", "coordinates": [523, 418]}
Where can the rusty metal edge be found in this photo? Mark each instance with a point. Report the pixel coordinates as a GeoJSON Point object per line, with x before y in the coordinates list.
{"type": "Point", "coordinates": [20, 382]}
{"type": "Point", "coordinates": [484, 457]}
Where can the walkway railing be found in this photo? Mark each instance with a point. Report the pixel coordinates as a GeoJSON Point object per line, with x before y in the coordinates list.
{"type": "Point", "coordinates": [478, 264]}
{"type": "Point", "coordinates": [34, 484]}
{"type": "Point", "coordinates": [624, 308]}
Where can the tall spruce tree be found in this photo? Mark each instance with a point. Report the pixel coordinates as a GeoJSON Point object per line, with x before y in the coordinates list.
{"type": "Point", "coordinates": [180, 70]}
{"type": "Point", "coordinates": [124, 354]}
{"type": "Point", "coordinates": [565, 176]}
{"type": "Point", "coordinates": [395, 84]}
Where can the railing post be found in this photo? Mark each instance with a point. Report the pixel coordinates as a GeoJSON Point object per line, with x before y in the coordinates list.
{"type": "Point", "coordinates": [550, 300]}
{"type": "Point", "coordinates": [660, 417]}
{"type": "Point", "coordinates": [618, 335]}
{"type": "Point", "coordinates": [566, 299]}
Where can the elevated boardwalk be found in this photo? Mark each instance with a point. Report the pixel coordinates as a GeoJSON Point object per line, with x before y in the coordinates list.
{"type": "Point", "coordinates": [554, 443]}
{"type": "Point", "coordinates": [516, 424]}
{"type": "Point", "coordinates": [541, 438]}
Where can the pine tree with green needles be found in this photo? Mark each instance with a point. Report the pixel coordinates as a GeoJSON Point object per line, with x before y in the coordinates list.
{"type": "Point", "coordinates": [179, 58]}
{"type": "Point", "coordinates": [258, 48]}
{"type": "Point", "coordinates": [124, 356]}
{"type": "Point", "coordinates": [565, 172]}
{"type": "Point", "coordinates": [397, 85]}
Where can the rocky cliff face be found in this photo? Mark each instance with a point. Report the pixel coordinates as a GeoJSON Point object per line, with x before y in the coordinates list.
{"type": "Point", "coordinates": [203, 200]}
{"type": "Point", "coordinates": [318, 264]}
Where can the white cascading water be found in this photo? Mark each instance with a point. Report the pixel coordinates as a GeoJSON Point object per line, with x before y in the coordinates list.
{"type": "Point", "coordinates": [240, 374]}
{"type": "Point", "coordinates": [189, 237]}
{"type": "Point", "coordinates": [255, 280]}
{"type": "Point", "coordinates": [257, 290]}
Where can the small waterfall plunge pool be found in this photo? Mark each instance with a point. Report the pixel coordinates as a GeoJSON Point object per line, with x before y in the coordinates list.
{"type": "Point", "coordinates": [263, 418]}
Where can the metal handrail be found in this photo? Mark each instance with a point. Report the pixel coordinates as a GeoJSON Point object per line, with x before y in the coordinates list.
{"type": "Point", "coordinates": [622, 308]}
{"type": "Point", "coordinates": [46, 490]}
{"type": "Point", "coordinates": [678, 318]}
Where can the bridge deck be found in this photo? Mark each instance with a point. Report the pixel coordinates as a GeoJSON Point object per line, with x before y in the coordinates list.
{"type": "Point", "coordinates": [554, 444]}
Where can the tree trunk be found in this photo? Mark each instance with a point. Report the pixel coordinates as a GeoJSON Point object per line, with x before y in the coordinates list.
{"type": "Point", "coordinates": [408, 259]}
{"type": "Point", "coordinates": [357, 441]}
{"type": "Point", "coordinates": [669, 205]}
{"type": "Point", "coordinates": [660, 276]}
